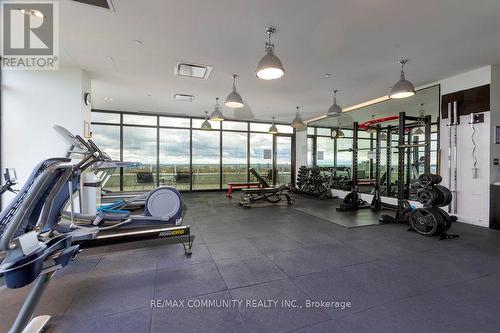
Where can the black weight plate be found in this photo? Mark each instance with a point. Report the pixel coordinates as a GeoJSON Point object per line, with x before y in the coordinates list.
{"type": "Point", "coordinates": [426, 196]}
{"type": "Point", "coordinates": [447, 218]}
{"type": "Point", "coordinates": [428, 179]}
{"type": "Point", "coordinates": [440, 219]}
{"type": "Point", "coordinates": [424, 222]}
{"type": "Point", "coordinates": [445, 193]}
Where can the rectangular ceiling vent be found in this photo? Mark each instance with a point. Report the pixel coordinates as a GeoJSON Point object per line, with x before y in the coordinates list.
{"type": "Point", "coordinates": [195, 71]}
{"type": "Point", "coordinates": [183, 98]}
{"type": "Point", "coordinates": [106, 4]}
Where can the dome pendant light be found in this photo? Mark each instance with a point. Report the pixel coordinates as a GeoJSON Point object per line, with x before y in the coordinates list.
{"type": "Point", "coordinates": [234, 99]}
{"type": "Point", "coordinates": [217, 113]}
{"type": "Point", "coordinates": [297, 123]}
{"type": "Point", "coordinates": [270, 66]}
{"type": "Point", "coordinates": [335, 110]}
{"type": "Point", "coordinates": [206, 124]}
{"type": "Point", "coordinates": [273, 129]}
{"type": "Point", "coordinates": [403, 88]}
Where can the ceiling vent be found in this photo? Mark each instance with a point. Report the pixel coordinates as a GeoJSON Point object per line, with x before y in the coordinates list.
{"type": "Point", "coordinates": [183, 98]}
{"type": "Point", "coordinates": [106, 4]}
{"type": "Point", "coordinates": [195, 71]}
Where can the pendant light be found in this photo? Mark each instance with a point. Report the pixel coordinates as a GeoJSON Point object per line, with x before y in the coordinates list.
{"type": "Point", "coordinates": [234, 99]}
{"type": "Point", "coordinates": [297, 123]}
{"type": "Point", "coordinates": [270, 66]}
{"type": "Point", "coordinates": [206, 124]}
{"type": "Point", "coordinates": [383, 136]}
{"type": "Point", "coordinates": [403, 88]}
{"type": "Point", "coordinates": [335, 110]}
{"type": "Point", "coordinates": [273, 129]}
{"type": "Point", "coordinates": [217, 113]}
{"type": "Point", "coordinates": [419, 130]}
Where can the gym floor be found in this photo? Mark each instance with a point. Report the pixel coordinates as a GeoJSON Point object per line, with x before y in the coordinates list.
{"type": "Point", "coordinates": [397, 281]}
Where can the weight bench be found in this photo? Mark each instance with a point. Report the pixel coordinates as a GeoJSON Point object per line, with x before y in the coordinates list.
{"type": "Point", "coordinates": [272, 194]}
{"type": "Point", "coordinates": [234, 186]}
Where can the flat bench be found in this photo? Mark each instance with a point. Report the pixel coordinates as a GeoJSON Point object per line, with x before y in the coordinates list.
{"type": "Point", "coordinates": [234, 186]}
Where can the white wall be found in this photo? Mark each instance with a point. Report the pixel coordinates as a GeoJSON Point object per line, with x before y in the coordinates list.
{"type": "Point", "coordinates": [32, 102]}
{"type": "Point", "coordinates": [472, 194]}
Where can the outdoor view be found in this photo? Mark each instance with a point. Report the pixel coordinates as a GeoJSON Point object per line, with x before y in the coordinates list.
{"type": "Point", "coordinates": [173, 146]}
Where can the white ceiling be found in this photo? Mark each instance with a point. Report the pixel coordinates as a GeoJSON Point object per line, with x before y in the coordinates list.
{"type": "Point", "coordinates": [358, 41]}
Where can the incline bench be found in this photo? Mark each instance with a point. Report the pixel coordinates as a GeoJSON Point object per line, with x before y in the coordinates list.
{"type": "Point", "coordinates": [265, 192]}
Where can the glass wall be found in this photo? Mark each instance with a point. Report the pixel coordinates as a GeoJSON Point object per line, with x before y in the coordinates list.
{"type": "Point", "coordinates": [261, 155]}
{"type": "Point", "coordinates": [174, 151]}
{"type": "Point", "coordinates": [283, 160]}
{"type": "Point", "coordinates": [310, 152]}
{"type": "Point", "coordinates": [174, 158]}
{"type": "Point", "coordinates": [206, 160]}
{"type": "Point", "coordinates": [139, 145]}
{"type": "Point", "coordinates": [325, 151]}
{"type": "Point", "coordinates": [107, 137]}
{"type": "Point", "coordinates": [234, 157]}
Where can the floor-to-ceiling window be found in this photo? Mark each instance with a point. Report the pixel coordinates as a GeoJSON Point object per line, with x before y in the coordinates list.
{"type": "Point", "coordinates": [174, 158]}
{"type": "Point", "coordinates": [139, 146]}
{"type": "Point", "coordinates": [234, 157]}
{"type": "Point", "coordinates": [107, 137]}
{"type": "Point", "coordinates": [261, 154]}
{"type": "Point", "coordinates": [175, 151]}
{"type": "Point", "coordinates": [206, 157]}
{"type": "Point", "coordinates": [283, 159]}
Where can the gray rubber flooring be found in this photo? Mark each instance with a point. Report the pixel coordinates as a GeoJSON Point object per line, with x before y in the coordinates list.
{"type": "Point", "coordinates": [396, 281]}
{"type": "Point", "coordinates": [327, 210]}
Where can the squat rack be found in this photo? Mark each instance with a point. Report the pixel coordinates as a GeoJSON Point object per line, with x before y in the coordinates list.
{"type": "Point", "coordinates": [406, 142]}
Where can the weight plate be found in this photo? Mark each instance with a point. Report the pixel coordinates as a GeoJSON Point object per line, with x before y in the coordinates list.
{"type": "Point", "coordinates": [428, 179]}
{"type": "Point", "coordinates": [445, 194]}
{"type": "Point", "coordinates": [426, 196]}
{"type": "Point", "coordinates": [424, 222]}
{"type": "Point", "coordinates": [446, 217]}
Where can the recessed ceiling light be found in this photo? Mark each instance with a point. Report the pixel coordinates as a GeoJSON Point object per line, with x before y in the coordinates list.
{"type": "Point", "coordinates": [183, 98]}
{"type": "Point", "coordinates": [108, 99]}
{"type": "Point", "coordinates": [195, 71]}
{"type": "Point", "coordinates": [138, 42]}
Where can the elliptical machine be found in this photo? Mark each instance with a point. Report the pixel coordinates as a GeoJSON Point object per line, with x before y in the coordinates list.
{"type": "Point", "coordinates": [33, 256]}
{"type": "Point", "coordinates": [114, 225]}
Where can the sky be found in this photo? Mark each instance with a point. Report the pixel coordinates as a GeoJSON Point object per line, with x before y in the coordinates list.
{"type": "Point", "coordinates": [139, 144]}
